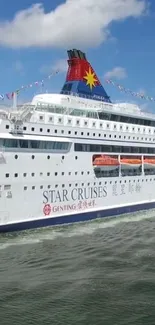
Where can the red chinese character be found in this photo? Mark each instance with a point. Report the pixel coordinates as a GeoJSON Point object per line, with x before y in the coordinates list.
{"type": "Point", "coordinates": [85, 205]}
{"type": "Point", "coordinates": [79, 206]}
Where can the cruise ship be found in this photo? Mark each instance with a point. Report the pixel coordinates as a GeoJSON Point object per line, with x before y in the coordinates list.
{"type": "Point", "coordinates": [74, 156]}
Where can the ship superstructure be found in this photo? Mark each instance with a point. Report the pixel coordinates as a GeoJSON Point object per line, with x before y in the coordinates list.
{"type": "Point", "coordinates": [74, 156]}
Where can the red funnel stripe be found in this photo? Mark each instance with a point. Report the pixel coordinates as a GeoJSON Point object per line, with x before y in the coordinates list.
{"type": "Point", "coordinates": [78, 69]}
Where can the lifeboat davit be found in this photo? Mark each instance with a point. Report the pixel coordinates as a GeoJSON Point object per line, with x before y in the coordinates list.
{"type": "Point", "coordinates": [106, 163]}
{"type": "Point", "coordinates": [130, 163]}
{"type": "Point", "coordinates": [149, 163]}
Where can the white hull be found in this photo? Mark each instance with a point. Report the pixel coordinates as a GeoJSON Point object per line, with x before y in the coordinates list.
{"type": "Point", "coordinates": [50, 197]}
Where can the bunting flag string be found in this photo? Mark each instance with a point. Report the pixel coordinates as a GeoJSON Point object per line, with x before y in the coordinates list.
{"type": "Point", "coordinates": [128, 91]}
{"type": "Point", "coordinates": [10, 95]}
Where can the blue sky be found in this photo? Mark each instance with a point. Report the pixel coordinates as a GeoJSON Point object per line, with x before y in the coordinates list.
{"type": "Point", "coordinates": [125, 49]}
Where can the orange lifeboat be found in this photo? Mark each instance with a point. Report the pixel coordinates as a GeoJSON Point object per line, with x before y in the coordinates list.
{"type": "Point", "coordinates": [106, 163]}
{"type": "Point", "coordinates": [149, 163]}
{"type": "Point", "coordinates": [130, 163]}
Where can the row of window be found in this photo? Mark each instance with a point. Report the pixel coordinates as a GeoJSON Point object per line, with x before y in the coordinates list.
{"type": "Point", "coordinates": [106, 117]}
{"type": "Point", "coordinates": [125, 119]}
{"type": "Point", "coordinates": [7, 175]}
{"type": "Point", "coordinates": [111, 148]}
{"type": "Point", "coordinates": [86, 123]}
{"type": "Point", "coordinates": [124, 173]}
{"type": "Point", "coordinates": [100, 183]}
{"type": "Point", "coordinates": [34, 144]}
{"type": "Point", "coordinates": [48, 157]}
{"type": "Point", "coordinates": [124, 181]}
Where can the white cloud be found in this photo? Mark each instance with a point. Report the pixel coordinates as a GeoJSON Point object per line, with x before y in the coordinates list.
{"type": "Point", "coordinates": [59, 65]}
{"type": "Point", "coordinates": [117, 73]}
{"type": "Point", "coordinates": [74, 23]}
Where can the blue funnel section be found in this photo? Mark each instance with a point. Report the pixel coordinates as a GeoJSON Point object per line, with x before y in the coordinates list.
{"type": "Point", "coordinates": [82, 80]}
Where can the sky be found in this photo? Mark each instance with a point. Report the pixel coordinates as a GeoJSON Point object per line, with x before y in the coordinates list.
{"type": "Point", "coordinates": [116, 35]}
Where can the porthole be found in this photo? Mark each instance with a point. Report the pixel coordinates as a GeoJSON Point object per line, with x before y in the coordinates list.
{"type": "Point", "coordinates": [33, 156]}
{"type": "Point", "coordinates": [16, 156]}
{"type": "Point", "coordinates": [48, 157]}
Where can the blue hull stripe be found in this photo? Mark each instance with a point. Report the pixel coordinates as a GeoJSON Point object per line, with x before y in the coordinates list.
{"type": "Point", "coordinates": [84, 216]}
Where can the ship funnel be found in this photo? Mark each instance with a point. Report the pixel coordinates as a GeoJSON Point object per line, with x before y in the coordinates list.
{"type": "Point", "coordinates": [81, 78]}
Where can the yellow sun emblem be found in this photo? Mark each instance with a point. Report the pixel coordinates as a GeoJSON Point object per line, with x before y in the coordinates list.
{"type": "Point", "coordinates": [90, 77]}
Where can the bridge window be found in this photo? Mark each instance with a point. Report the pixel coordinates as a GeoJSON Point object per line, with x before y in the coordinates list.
{"type": "Point", "coordinates": [35, 144]}
{"type": "Point", "coordinates": [125, 119]}
{"type": "Point", "coordinates": [112, 148]}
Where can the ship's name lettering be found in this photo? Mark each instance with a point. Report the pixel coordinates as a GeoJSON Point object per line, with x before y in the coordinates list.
{"type": "Point", "coordinates": [76, 194]}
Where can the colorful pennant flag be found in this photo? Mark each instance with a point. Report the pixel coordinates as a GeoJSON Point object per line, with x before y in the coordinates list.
{"type": "Point", "coordinates": [128, 91]}
{"type": "Point", "coordinates": [36, 83]}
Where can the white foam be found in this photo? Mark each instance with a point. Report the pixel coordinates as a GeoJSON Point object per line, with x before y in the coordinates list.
{"type": "Point", "coordinates": [80, 229]}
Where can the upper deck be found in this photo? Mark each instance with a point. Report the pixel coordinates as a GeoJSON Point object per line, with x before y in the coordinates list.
{"type": "Point", "coordinates": [72, 105]}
